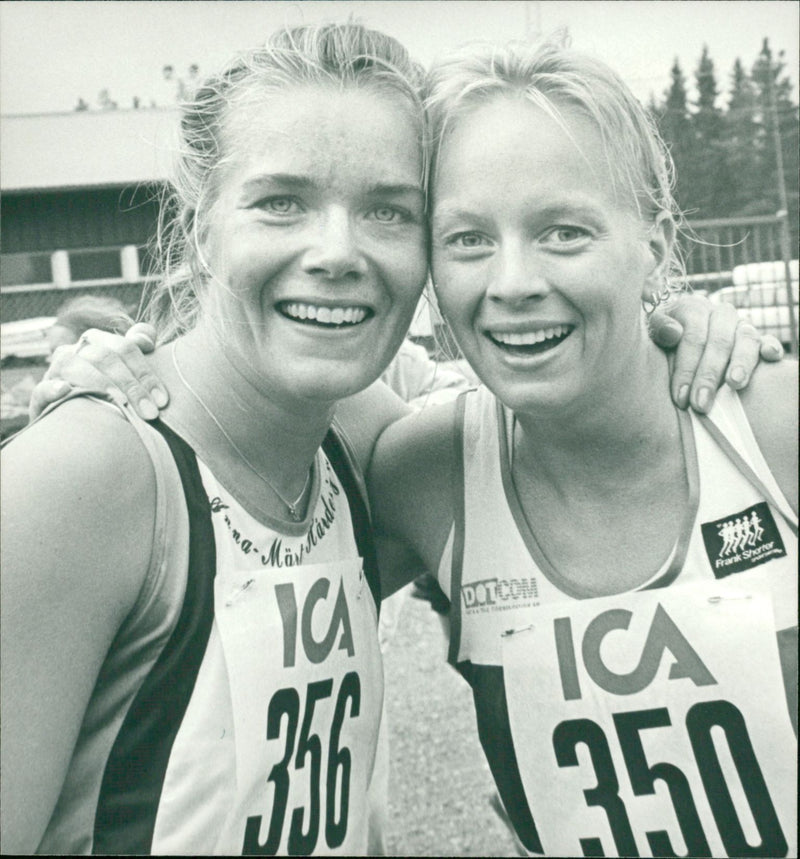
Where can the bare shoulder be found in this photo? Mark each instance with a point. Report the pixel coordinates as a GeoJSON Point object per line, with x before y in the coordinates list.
{"type": "Point", "coordinates": [78, 511]}
{"type": "Point", "coordinates": [771, 404]}
{"type": "Point", "coordinates": [82, 475]}
{"type": "Point", "coordinates": [411, 480]}
{"type": "Point", "coordinates": [365, 415]}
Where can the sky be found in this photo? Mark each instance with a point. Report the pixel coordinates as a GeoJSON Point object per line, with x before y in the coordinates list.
{"type": "Point", "coordinates": [53, 52]}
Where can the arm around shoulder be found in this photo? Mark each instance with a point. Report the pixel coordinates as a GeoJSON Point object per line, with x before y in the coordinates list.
{"type": "Point", "coordinates": [771, 404]}
{"type": "Point", "coordinates": [410, 482]}
{"type": "Point", "coordinates": [78, 512]}
{"type": "Point", "coordinates": [365, 415]}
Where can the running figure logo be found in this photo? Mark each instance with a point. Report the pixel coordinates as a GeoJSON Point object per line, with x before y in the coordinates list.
{"type": "Point", "coordinates": [740, 532]}
{"type": "Point", "coordinates": [742, 541]}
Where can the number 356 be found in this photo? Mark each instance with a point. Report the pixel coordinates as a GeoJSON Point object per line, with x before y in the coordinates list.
{"type": "Point", "coordinates": [309, 752]}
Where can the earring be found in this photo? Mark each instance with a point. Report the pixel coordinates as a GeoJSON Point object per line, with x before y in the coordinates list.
{"type": "Point", "coordinates": [655, 299]}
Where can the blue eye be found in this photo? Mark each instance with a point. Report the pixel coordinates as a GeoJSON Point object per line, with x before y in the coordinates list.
{"type": "Point", "coordinates": [466, 240]}
{"type": "Point", "coordinates": [565, 235]}
{"type": "Point", "coordinates": [279, 205]}
{"type": "Point", "coordinates": [388, 215]}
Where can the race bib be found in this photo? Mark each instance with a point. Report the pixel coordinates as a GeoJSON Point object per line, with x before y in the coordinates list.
{"type": "Point", "coordinates": [306, 684]}
{"type": "Point", "coordinates": [655, 724]}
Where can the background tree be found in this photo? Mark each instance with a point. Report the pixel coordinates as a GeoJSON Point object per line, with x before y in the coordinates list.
{"type": "Point", "coordinates": [673, 120]}
{"type": "Point", "coordinates": [708, 186]}
{"type": "Point", "coordinates": [777, 114]}
{"type": "Point", "coordinates": [743, 146]}
{"type": "Point", "coordinates": [725, 156]}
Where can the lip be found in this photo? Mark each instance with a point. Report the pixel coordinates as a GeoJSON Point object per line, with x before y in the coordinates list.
{"type": "Point", "coordinates": [528, 341]}
{"type": "Point", "coordinates": [325, 314]}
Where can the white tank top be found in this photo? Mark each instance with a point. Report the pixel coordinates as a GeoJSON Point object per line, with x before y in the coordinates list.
{"type": "Point", "coordinates": [532, 672]}
{"type": "Point", "coordinates": [271, 632]}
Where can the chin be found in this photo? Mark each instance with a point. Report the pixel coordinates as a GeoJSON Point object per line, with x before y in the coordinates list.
{"type": "Point", "coordinates": [328, 387]}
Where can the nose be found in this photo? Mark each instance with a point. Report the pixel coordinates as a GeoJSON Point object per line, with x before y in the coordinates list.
{"type": "Point", "coordinates": [517, 276]}
{"type": "Point", "coordinates": [334, 252]}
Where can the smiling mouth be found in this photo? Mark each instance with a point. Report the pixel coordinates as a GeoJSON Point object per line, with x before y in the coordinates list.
{"type": "Point", "coordinates": [531, 342]}
{"type": "Point", "coordinates": [324, 317]}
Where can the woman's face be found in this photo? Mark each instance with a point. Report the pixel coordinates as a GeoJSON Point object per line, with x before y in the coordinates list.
{"type": "Point", "coordinates": [539, 269]}
{"type": "Point", "coordinates": [317, 239]}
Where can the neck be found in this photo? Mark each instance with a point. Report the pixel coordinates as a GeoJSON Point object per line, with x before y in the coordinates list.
{"type": "Point", "coordinates": [277, 436]}
{"type": "Point", "coordinates": [621, 427]}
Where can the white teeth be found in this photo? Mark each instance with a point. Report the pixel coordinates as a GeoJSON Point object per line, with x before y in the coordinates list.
{"type": "Point", "coordinates": [530, 338]}
{"type": "Point", "coordinates": [325, 315]}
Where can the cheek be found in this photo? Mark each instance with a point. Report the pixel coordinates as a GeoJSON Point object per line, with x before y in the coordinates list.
{"type": "Point", "coordinates": [457, 287]}
{"type": "Point", "coordinates": [405, 269]}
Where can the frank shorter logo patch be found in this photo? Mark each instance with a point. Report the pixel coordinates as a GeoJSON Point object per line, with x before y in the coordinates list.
{"type": "Point", "coordinates": [742, 540]}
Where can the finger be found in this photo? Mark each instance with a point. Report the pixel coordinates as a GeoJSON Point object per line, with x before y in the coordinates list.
{"type": "Point", "coordinates": [120, 373]}
{"type": "Point", "coordinates": [665, 331]}
{"type": "Point", "coordinates": [745, 355]}
{"type": "Point", "coordinates": [710, 372]}
{"type": "Point", "coordinates": [692, 315]}
{"type": "Point", "coordinates": [134, 376]}
{"type": "Point", "coordinates": [143, 335]}
{"type": "Point", "coordinates": [771, 348]}
{"type": "Point", "coordinates": [48, 391]}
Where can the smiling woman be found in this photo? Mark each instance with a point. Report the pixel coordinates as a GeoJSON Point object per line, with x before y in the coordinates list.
{"type": "Point", "coordinates": [580, 524]}
{"type": "Point", "coordinates": [190, 687]}
{"type": "Point", "coordinates": [210, 609]}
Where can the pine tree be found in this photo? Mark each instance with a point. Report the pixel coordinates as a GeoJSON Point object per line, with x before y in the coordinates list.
{"type": "Point", "coordinates": [744, 144]}
{"type": "Point", "coordinates": [775, 104]}
{"type": "Point", "coordinates": [676, 130]}
{"type": "Point", "coordinates": [707, 185]}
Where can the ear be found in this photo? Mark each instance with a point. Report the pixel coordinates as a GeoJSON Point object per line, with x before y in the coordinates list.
{"type": "Point", "coordinates": [660, 239]}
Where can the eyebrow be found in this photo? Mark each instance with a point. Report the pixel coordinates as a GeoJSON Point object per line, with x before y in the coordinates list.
{"type": "Point", "coordinates": [257, 184]}
{"type": "Point", "coordinates": [391, 190]}
{"type": "Point", "coordinates": [550, 211]}
{"type": "Point", "coordinates": [295, 182]}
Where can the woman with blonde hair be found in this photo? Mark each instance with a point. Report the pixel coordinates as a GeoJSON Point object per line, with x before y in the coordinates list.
{"type": "Point", "coordinates": [541, 281]}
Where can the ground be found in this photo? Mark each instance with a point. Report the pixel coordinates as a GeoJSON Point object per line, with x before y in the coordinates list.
{"type": "Point", "coordinates": [440, 785]}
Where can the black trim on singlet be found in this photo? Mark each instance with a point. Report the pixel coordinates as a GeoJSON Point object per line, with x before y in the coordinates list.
{"type": "Point", "coordinates": [459, 517]}
{"type": "Point", "coordinates": [343, 465]}
{"type": "Point", "coordinates": [134, 775]}
{"type": "Point", "coordinates": [133, 779]}
{"type": "Point", "coordinates": [494, 731]}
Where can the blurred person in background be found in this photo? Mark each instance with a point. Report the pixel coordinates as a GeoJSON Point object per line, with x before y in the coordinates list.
{"type": "Point", "coordinates": [77, 315]}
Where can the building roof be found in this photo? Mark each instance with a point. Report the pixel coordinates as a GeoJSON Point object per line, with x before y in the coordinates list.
{"type": "Point", "coordinates": [86, 149]}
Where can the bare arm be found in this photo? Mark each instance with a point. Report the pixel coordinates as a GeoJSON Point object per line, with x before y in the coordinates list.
{"type": "Point", "coordinates": [78, 508]}
{"type": "Point", "coordinates": [410, 483]}
{"type": "Point", "coordinates": [771, 404]}
{"type": "Point", "coordinates": [713, 346]}
{"type": "Point", "coordinates": [364, 416]}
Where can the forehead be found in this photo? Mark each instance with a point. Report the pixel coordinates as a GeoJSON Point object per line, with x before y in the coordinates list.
{"type": "Point", "coordinates": [508, 146]}
{"type": "Point", "coordinates": [334, 136]}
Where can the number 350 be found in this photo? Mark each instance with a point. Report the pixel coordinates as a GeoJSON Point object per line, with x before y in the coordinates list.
{"type": "Point", "coordinates": [699, 721]}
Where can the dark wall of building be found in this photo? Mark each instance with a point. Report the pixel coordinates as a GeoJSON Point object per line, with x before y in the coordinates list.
{"type": "Point", "coordinates": [46, 221]}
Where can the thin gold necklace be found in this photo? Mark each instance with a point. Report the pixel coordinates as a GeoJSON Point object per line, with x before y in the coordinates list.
{"type": "Point", "coordinates": [294, 515]}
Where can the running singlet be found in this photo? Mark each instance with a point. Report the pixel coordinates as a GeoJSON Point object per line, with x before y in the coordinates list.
{"type": "Point", "coordinates": [238, 709]}
{"type": "Point", "coordinates": [654, 722]}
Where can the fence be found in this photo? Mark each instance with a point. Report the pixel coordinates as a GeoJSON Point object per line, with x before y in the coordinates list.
{"type": "Point", "coordinates": [744, 261]}
{"type": "Point", "coordinates": [748, 262]}
{"type": "Point", "coordinates": [37, 284]}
